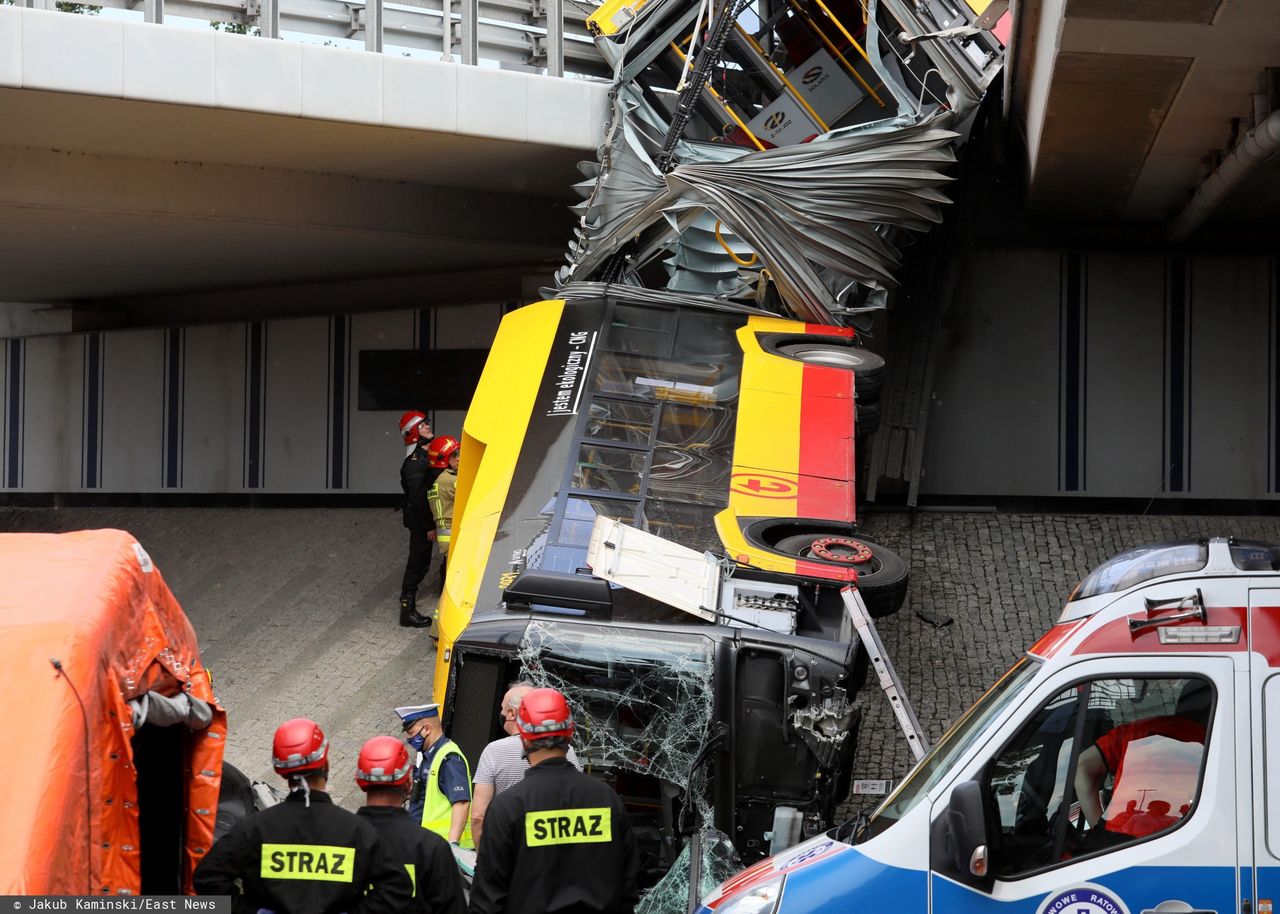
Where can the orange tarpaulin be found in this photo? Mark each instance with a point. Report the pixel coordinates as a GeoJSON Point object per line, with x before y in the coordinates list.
{"type": "Point", "coordinates": [95, 603]}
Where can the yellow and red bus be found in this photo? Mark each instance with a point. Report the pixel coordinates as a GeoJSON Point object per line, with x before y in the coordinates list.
{"type": "Point", "coordinates": [728, 432]}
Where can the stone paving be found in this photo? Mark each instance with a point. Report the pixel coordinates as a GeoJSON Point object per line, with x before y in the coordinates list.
{"type": "Point", "coordinates": [296, 610]}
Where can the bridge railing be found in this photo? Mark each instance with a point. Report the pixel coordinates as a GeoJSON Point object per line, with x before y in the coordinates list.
{"type": "Point", "coordinates": [548, 35]}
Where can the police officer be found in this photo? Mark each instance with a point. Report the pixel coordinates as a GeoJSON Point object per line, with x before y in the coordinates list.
{"type": "Point", "coordinates": [305, 855]}
{"type": "Point", "coordinates": [417, 475]}
{"type": "Point", "coordinates": [441, 798]}
{"type": "Point", "coordinates": [558, 841]}
{"type": "Point", "coordinates": [384, 773]}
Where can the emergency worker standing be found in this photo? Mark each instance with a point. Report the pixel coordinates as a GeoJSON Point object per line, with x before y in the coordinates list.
{"type": "Point", "coordinates": [441, 798]}
{"type": "Point", "coordinates": [443, 452]}
{"type": "Point", "coordinates": [305, 855]}
{"type": "Point", "coordinates": [559, 841]}
{"type": "Point", "coordinates": [416, 478]}
{"type": "Point", "coordinates": [384, 773]}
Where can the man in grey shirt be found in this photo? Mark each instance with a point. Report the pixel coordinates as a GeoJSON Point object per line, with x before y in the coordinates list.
{"type": "Point", "coordinates": [502, 763]}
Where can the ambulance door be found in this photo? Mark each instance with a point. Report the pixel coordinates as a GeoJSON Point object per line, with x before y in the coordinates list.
{"type": "Point", "coordinates": [1262, 792]}
{"type": "Point", "coordinates": [1112, 792]}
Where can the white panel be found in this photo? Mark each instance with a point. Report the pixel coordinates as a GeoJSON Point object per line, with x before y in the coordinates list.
{"type": "Point", "coordinates": [132, 421]}
{"type": "Point", "coordinates": [53, 411]}
{"type": "Point", "coordinates": [11, 46]}
{"type": "Point", "coordinates": [213, 409]}
{"type": "Point", "coordinates": [493, 103]}
{"type": "Point", "coordinates": [419, 93]}
{"type": "Point", "coordinates": [256, 74]}
{"type": "Point", "coordinates": [4, 393]}
{"type": "Point", "coordinates": [467, 326]}
{"type": "Point", "coordinates": [168, 64]}
{"type": "Point", "coordinates": [1124, 355]}
{"type": "Point", "coordinates": [1229, 377]}
{"type": "Point", "coordinates": [341, 84]}
{"type": "Point", "coordinates": [993, 422]}
{"type": "Point", "coordinates": [560, 111]}
{"type": "Point", "coordinates": [376, 451]}
{"type": "Point", "coordinates": [297, 386]}
{"type": "Point", "coordinates": [71, 53]}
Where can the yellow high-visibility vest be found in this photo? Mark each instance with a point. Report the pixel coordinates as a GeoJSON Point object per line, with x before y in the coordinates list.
{"type": "Point", "coordinates": [437, 809]}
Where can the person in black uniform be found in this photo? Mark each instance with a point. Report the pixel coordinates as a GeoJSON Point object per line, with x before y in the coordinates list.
{"type": "Point", "coordinates": [417, 475]}
{"type": "Point", "coordinates": [384, 773]}
{"type": "Point", "coordinates": [559, 842]}
{"type": "Point", "coordinates": [305, 855]}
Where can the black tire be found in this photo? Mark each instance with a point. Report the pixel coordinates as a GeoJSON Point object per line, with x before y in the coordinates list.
{"type": "Point", "coordinates": [883, 587]}
{"type": "Point", "coordinates": [866, 418]}
{"type": "Point", "coordinates": [235, 800]}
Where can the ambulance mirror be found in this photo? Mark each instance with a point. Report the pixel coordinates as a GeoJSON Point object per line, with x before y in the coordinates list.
{"type": "Point", "coordinates": [966, 825]}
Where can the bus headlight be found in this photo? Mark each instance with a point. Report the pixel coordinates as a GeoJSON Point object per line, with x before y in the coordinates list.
{"type": "Point", "coordinates": [759, 899]}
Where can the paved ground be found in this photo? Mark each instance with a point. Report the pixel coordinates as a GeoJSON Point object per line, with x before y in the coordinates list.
{"type": "Point", "coordinates": [296, 609]}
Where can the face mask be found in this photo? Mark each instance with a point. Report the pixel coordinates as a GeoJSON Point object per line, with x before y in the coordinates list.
{"type": "Point", "coordinates": [417, 742]}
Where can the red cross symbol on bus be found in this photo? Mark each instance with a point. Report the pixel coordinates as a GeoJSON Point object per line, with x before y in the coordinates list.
{"type": "Point", "coordinates": [763, 485]}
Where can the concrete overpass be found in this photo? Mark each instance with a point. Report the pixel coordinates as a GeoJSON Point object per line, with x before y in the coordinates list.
{"type": "Point", "coordinates": [147, 169]}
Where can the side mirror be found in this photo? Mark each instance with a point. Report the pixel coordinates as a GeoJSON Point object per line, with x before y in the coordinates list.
{"type": "Point", "coordinates": [966, 831]}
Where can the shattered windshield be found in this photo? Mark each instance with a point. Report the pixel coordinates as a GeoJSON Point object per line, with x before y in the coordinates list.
{"type": "Point", "coordinates": [642, 702]}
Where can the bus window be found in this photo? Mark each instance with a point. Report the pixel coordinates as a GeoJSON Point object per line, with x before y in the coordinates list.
{"type": "Point", "coordinates": [646, 331]}
{"type": "Point", "coordinates": [653, 378]}
{"type": "Point", "coordinates": [580, 514]}
{"type": "Point", "coordinates": [623, 421]}
{"type": "Point", "coordinates": [707, 337]}
{"type": "Point", "coordinates": [608, 469]}
{"type": "Point", "coordinates": [690, 525]}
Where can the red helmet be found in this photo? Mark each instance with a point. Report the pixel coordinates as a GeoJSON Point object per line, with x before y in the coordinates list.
{"type": "Point", "coordinates": [440, 449]}
{"type": "Point", "coordinates": [383, 762]}
{"type": "Point", "coordinates": [409, 423]}
{"type": "Point", "coordinates": [299, 747]}
{"type": "Point", "coordinates": [544, 713]}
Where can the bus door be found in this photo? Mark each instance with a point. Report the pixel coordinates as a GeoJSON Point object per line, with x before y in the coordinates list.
{"type": "Point", "coordinates": [1115, 792]}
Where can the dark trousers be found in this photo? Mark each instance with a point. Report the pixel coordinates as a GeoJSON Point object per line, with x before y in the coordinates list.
{"type": "Point", "coordinates": [419, 561]}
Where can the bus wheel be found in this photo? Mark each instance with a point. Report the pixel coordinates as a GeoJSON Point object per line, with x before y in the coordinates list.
{"type": "Point", "coordinates": [882, 576]}
{"type": "Point", "coordinates": [866, 419]}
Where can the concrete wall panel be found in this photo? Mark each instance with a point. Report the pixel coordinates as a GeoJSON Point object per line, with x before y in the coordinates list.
{"type": "Point", "coordinates": [132, 411]}
{"type": "Point", "coordinates": [212, 398]}
{"type": "Point", "coordinates": [1124, 363]}
{"type": "Point", "coordinates": [993, 420]}
{"type": "Point", "coordinates": [1229, 372]}
{"type": "Point", "coordinates": [296, 390]}
{"type": "Point", "coordinates": [53, 413]}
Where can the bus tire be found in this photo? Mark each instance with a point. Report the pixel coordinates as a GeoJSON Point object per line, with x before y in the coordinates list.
{"type": "Point", "coordinates": [883, 586]}
{"type": "Point", "coordinates": [235, 800]}
{"type": "Point", "coordinates": [863, 363]}
{"type": "Point", "coordinates": [866, 418]}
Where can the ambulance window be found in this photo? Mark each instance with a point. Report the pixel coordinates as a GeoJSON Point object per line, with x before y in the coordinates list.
{"type": "Point", "coordinates": [1104, 763]}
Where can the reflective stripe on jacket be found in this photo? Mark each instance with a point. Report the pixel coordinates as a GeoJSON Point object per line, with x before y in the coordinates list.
{"type": "Point", "coordinates": [437, 810]}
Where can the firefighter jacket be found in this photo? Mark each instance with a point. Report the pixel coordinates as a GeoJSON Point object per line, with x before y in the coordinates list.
{"type": "Point", "coordinates": [441, 496]}
{"type": "Point", "coordinates": [557, 842]}
{"type": "Point", "coordinates": [417, 475]}
{"type": "Point", "coordinates": [437, 883]}
{"type": "Point", "coordinates": [295, 858]}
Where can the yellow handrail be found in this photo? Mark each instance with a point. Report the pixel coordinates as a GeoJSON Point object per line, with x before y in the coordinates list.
{"type": "Point", "coordinates": [732, 256]}
{"type": "Point", "coordinates": [783, 76]}
{"type": "Point", "coordinates": [724, 104]}
{"type": "Point", "coordinates": [836, 51]}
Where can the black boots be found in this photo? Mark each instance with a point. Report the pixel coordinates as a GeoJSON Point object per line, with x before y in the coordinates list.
{"type": "Point", "coordinates": [409, 615]}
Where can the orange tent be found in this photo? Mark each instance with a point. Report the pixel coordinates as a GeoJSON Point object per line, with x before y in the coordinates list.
{"type": "Point", "coordinates": [70, 799]}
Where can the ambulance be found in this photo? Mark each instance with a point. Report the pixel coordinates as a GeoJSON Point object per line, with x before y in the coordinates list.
{"type": "Point", "coordinates": [1129, 763]}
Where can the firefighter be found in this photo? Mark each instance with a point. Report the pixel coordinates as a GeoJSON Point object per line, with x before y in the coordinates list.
{"type": "Point", "coordinates": [559, 840]}
{"type": "Point", "coordinates": [443, 453]}
{"type": "Point", "coordinates": [305, 855]}
{"type": "Point", "coordinates": [416, 478]}
{"type": "Point", "coordinates": [384, 773]}
{"type": "Point", "coordinates": [441, 798]}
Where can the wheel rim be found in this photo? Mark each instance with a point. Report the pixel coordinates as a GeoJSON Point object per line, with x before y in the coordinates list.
{"type": "Point", "coordinates": [841, 550]}
{"type": "Point", "coordinates": [835, 357]}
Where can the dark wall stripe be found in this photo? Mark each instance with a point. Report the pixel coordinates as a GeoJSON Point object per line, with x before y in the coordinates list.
{"type": "Point", "coordinates": [339, 395]}
{"type": "Point", "coordinates": [13, 389]}
{"type": "Point", "coordinates": [91, 473]}
{"type": "Point", "coordinates": [1071, 361]}
{"type": "Point", "coordinates": [174, 393]}
{"type": "Point", "coordinates": [425, 324]}
{"type": "Point", "coordinates": [255, 403]}
{"type": "Point", "coordinates": [1273, 414]}
{"type": "Point", "coordinates": [1177, 456]}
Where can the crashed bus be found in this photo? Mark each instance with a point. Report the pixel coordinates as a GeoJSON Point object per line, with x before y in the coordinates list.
{"type": "Point", "coordinates": [111, 780]}
{"type": "Point", "coordinates": [713, 436]}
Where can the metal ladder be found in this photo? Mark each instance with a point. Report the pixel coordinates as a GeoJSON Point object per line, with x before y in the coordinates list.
{"type": "Point", "coordinates": [889, 681]}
